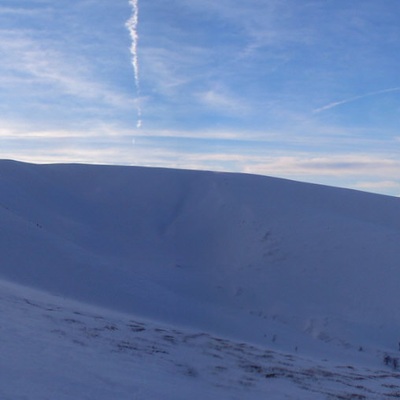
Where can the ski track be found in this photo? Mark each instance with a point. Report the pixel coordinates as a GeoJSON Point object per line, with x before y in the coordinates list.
{"type": "Point", "coordinates": [214, 366]}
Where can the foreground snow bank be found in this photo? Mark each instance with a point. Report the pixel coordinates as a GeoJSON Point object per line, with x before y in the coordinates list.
{"type": "Point", "coordinates": [56, 348]}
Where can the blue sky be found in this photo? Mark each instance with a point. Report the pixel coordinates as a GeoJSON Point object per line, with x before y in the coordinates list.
{"type": "Point", "coordinates": [301, 89]}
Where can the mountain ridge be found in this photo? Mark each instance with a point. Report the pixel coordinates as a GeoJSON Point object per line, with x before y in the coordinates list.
{"type": "Point", "coordinates": [237, 254]}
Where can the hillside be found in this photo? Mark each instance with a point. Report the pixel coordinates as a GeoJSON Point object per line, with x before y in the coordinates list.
{"type": "Point", "coordinates": [291, 266]}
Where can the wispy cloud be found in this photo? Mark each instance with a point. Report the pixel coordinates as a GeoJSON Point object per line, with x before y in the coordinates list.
{"type": "Point", "coordinates": [173, 66]}
{"type": "Point", "coordinates": [377, 185]}
{"type": "Point", "coordinates": [265, 23]}
{"type": "Point", "coordinates": [355, 98]}
{"type": "Point", "coordinates": [329, 165]}
{"type": "Point", "coordinates": [112, 145]}
{"type": "Point", "coordinates": [222, 100]}
{"type": "Point", "coordinates": [18, 11]}
{"type": "Point", "coordinates": [33, 62]}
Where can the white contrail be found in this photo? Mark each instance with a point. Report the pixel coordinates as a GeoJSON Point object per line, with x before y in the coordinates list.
{"type": "Point", "coordinates": [132, 25]}
{"type": "Point", "coordinates": [351, 99]}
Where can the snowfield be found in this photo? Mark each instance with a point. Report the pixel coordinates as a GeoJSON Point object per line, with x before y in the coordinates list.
{"type": "Point", "coordinates": [142, 283]}
{"type": "Point", "coordinates": [54, 348]}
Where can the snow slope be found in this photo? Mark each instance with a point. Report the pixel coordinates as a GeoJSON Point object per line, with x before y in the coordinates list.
{"type": "Point", "coordinates": [58, 349]}
{"type": "Point", "coordinates": [292, 267]}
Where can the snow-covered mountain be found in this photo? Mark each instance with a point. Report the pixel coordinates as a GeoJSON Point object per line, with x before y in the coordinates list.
{"type": "Point", "coordinates": [298, 270]}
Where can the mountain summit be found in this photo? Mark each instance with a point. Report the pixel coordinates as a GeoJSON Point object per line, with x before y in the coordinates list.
{"type": "Point", "coordinates": [232, 253]}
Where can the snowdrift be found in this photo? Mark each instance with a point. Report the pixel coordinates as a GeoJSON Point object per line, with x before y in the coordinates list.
{"type": "Point", "coordinates": [241, 255]}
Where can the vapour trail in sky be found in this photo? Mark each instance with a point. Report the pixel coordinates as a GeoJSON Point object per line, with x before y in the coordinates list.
{"type": "Point", "coordinates": [268, 86]}
{"type": "Point", "coordinates": [355, 98]}
{"type": "Point", "coordinates": [132, 25]}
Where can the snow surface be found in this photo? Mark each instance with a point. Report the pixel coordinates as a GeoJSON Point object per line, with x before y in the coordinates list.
{"type": "Point", "coordinates": [142, 283]}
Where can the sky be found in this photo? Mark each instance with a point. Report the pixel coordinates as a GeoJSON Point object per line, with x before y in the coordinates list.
{"type": "Point", "coordinates": [301, 89]}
